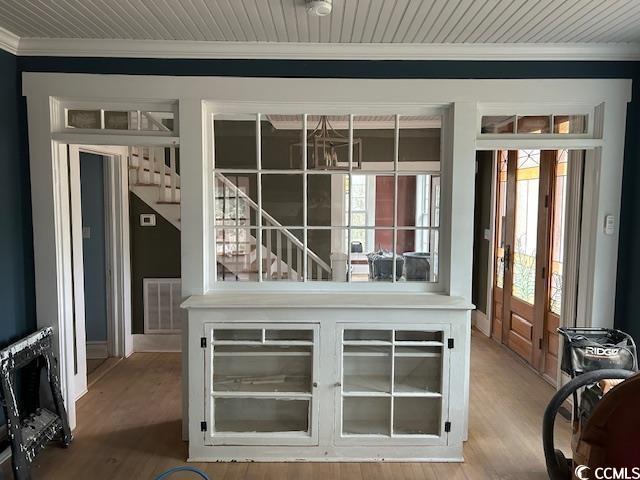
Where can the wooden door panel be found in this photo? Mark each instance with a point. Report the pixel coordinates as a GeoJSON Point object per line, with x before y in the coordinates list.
{"type": "Point", "coordinates": [520, 345]}
{"type": "Point", "coordinates": [551, 344]}
{"type": "Point", "coordinates": [522, 327]}
{"type": "Point", "coordinates": [523, 309]}
{"type": "Point", "coordinates": [496, 327]}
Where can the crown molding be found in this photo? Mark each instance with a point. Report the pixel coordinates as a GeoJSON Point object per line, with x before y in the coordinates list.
{"type": "Point", "coordinates": [321, 51]}
{"type": "Point", "coordinates": [9, 41]}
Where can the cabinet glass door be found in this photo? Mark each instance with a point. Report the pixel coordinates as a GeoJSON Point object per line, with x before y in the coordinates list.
{"type": "Point", "coordinates": [261, 381]}
{"type": "Point", "coordinates": [394, 385]}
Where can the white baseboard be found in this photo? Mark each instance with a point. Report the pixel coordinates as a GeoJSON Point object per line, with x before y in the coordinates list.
{"type": "Point", "coordinates": [157, 343]}
{"type": "Point", "coordinates": [97, 350]}
{"type": "Point", "coordinates": [481, 322]}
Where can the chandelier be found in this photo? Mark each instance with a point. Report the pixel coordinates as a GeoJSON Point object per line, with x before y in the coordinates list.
{"type": "Point", "coordinates": [328, 149]}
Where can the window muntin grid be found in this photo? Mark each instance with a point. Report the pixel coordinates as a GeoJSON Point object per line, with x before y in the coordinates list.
{"type": "Point", "coordinates": [345, 227]}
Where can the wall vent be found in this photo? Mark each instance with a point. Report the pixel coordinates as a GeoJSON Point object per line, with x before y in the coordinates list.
{"type": "Point", "coordinates": [162, 298]}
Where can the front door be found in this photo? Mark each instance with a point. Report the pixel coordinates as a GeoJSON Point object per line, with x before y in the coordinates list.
{"type": "Point", "coordinates": [528, 254]}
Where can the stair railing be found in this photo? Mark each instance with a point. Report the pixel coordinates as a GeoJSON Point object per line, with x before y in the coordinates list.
{"type": "Point", "coordinates": [156, 165]}
{"type": "Point", "coordinates": [290, 242]}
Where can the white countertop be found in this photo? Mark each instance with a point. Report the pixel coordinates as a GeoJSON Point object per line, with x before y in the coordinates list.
{"type": "Point", "coordinates": [376, 300]}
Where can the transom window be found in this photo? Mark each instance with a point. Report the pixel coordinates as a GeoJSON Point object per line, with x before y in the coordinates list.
{"type": "Point", "coordinates": [340, 198]}
{"type": "Point", "coordinates": [555, 124]}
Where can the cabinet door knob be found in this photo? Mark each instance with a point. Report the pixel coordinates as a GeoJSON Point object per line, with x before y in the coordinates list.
{"type": "Point", "coordinates": [315, 384]}
{"type": "Point", "coordinates": [338, 384]}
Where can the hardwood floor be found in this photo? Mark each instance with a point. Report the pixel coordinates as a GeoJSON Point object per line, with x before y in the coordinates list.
{"type": "Point", "coordinates": [129, 428]}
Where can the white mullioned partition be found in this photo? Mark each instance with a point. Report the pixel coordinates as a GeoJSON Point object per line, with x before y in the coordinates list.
{"type": "Point", "coordinates": [197, 99]}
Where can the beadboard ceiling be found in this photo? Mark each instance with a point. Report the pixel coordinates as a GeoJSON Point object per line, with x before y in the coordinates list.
{"type": "Point", "coordinates": [412, 26]}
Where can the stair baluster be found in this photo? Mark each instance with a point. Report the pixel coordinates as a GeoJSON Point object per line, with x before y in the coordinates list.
{"type": "Point", "coordinates": [140, 173]}
{"type": "Point", "coordinates": [279, 253]}
{"type": "Point", "coordinates": [269, 251]}
{"type": "Point", "coordinates": [163, 176]}
{"type": "Point", "coordinates": [174, 173]}
{"type": "Point", "coordinates": [289, 258]}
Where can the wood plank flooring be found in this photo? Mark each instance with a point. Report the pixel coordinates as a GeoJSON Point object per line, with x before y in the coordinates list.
{"type": "Point", "coordinates": [129, 428]}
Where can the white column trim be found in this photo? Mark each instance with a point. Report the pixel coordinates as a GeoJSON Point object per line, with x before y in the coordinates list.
{"type": "Point", "coordinates": [51, 240]}
{"type": "Point", "coordinates": [196, 177]}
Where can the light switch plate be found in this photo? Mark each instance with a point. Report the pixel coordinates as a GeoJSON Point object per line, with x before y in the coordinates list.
{"type": "Point", "coordinates": [487, 234]}
{"type": "Point", "coordinates": [147, 219]}
{"type": "Point", "coordinates": [609, 224]}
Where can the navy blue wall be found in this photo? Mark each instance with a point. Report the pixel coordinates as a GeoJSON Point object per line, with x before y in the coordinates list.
{"type": "Point", "coordinates": [93, 246]}
{"type": "Point", "coordinates": [629, 265]}
{"type": "Point", "coordinates": [16, 246]}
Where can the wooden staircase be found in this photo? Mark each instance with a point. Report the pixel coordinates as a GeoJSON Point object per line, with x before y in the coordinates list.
{"type": "Point", "coordinates": [154, 176]}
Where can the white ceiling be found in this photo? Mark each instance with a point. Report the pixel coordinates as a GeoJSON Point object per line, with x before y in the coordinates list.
{"type": "Point", "coordinates": [420, 23]}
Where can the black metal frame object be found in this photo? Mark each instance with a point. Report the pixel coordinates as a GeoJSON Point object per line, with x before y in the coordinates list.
{"type": "Point", "coordinates": [30, 435]}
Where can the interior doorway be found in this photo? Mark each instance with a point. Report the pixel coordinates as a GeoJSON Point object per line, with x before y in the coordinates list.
{"type": "Point", "coordinates": [99, 238]}
{"type": "Point", "coordinates": [528, 276]}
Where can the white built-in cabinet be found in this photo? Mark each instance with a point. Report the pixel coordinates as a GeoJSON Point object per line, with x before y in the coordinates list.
{"type": "Point", "coordinates": [316, 378]}
{"type": "Point", "coordinates": [261, 380]}
{"type": "Point", "coordinates": [393, 384]}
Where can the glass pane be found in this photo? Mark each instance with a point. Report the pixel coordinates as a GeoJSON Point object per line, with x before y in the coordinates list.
{"type": "Point", "coordinates": [371, 200]}
{"type": "Point", "coordinates": [116, 120]}
{"type": "Point", "coordinates": [257, 368]}
{"type": "Point", "coordinates": [149, 121]}
{"type": "Point", "coordinates": [374, 135]}
{"type": "Point", "coordinates": [366, 416]}
{"type": "Point", "coordinates": [282, 200]}
{"type": "Point", "coordinates": [417, 251]}
{"type": "Point", "coordinates": [371, 257]}
{"type": "Point", "coordinates": [236, 199]}
{"type": "Point", "coordinates": [236, 254]}
{"type": "Point", "coordinates": [237, 335]}
{"type": "Point", "coordinates": [261, 415]}
{"type": "Point", "coordinates": [526, 225]}
{"type": "Point", "coordinates": [367, 370]}
{"type": "Point", "coordinates": [534, 124]}
{"type": "Point", "coordinates": [570, 123]}
{"type": "Point", "coordinates": [418, 372]}
{"type": "Point", "coordinates": [557, 233]}
{"type": "Point", "coordinates": [503, 160]}
{"type": "Point", "coordinates": [328, 142]}
{"type": "Point", "coordinates": [281, 137]}
{"type": "Point", "coordinates": [498, 124]}
{"type": "Point", "coordinates": [419, 200]}
{"type": "Point", "coordinates": [417, 416]}
{"type": "Point", "coordinates": [235, 141]}
{"type": "Point", "coordinates": [419, 143]}
{"type": "Point", "coordinates": [327, 254]}
{"type": "Point", "coordinates": [327, 200]}
{"type": "Point", "coordinates": [84, 119]}
{"type": "Point", "coordinates": [282, 254]}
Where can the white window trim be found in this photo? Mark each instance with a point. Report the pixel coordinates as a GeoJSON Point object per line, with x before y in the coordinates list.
{"type": "Point", "coordinates": [256, 112]}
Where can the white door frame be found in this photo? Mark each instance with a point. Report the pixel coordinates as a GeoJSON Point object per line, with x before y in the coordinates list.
{"type": "Point", "coordinates": [117, 255]}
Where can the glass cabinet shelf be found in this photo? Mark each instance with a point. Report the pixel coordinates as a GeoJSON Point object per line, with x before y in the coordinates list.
{"type": "Point", "coordinates": [261, 383]}
{"type": "Point", "coordinates": [392, 383]}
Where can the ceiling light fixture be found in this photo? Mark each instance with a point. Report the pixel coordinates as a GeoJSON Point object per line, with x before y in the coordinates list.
{"type": "Point", "coordinates": [328, 149]}
{"type": "Point", "coordinates": [320, 8]}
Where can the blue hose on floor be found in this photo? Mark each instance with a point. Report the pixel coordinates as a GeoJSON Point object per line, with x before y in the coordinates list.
{"type": "Point", "coordinates": [173, 470]}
